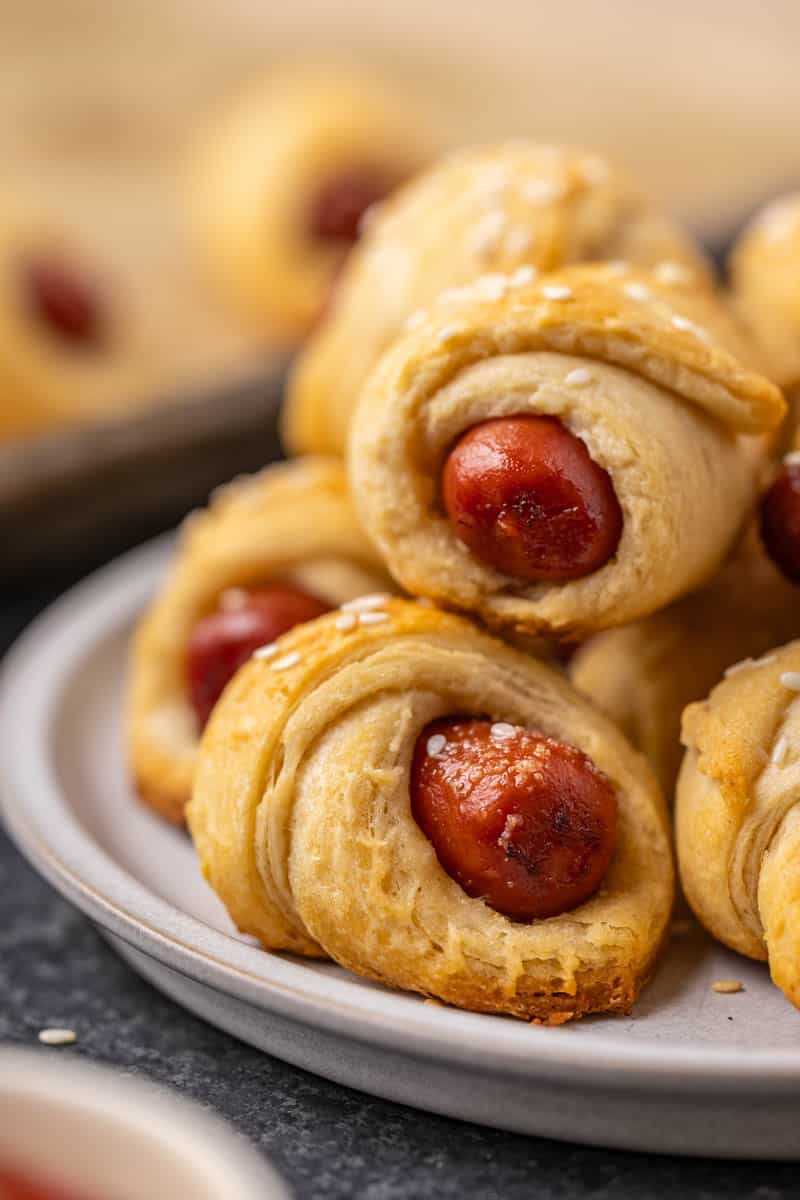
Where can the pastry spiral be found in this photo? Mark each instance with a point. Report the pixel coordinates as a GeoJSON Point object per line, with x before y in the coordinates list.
{"type": "Point", "coordinates": [302, 819]}
{"type": "Point", "coordinates": [486, 211]}
{"type": "Point", "coordinates": [648, 384]}
{"type": "Point", "coordinates": [737, 814]}
{"type": "Point", "coordinates": [290, 523]}
{"type": "Point", "coordinates": [279, 183]}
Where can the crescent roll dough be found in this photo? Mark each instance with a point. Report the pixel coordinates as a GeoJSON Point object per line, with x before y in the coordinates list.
{"type": "Point", "coordinates": [765, 279]}
{"type": "Point", "coordinates": [485, 211]}
{"type": "Point", "coordinates": [302, 818]}
{"type": "Point", "coordinates": [653, 381]}
{"type": "Point", "coordinates": [738, 817]}
{"type": "Point", "coordinates": [644, 674]}
{"type": "Point", "coordinates": [255, 175]}
{"type": "Point", "coordinates": [291, 523]}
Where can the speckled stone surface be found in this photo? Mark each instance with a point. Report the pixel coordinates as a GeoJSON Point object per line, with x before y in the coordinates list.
{"type": "Point", "coordinates": [329, 1142]}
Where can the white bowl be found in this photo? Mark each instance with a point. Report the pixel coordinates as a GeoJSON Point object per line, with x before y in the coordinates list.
{"type": "Point", "coordinates": [104, 1135]}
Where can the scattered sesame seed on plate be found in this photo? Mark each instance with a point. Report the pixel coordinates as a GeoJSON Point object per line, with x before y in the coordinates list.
{"type": "Point", "coordinates": [366, 602]}
{"type": "Point", "coordinates": [727, 987]}
{"type": "Point", "coordinates": [57, 1037]}
{"type": "Point", "coordinates": [578, 377]}
{"type": "Point", "coordinates": [345, 622]}
{"type": "Point", "coordinates": [436, 744]}
{"type": "Point", "coordinates": [791, 680]}
{"type": "Point", "coordinates": [288, 660]}
{"type": "Point", "coordinates": [373, 618]}
{"type": "Point", "coordinates": [556, 291]}
{"type": "Point", "coordinates": [268, 651]}
{"type": "Point", "coordinates": [502, 729]}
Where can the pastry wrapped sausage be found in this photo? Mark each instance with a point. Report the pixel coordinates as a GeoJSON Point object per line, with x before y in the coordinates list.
{"type": "Point", "coordinates": [272, 550]}
{"type": "Point", "coordinates": [489, 211]}
{"type": "Point", "coordinates": [281, 182]}
{"type": "Point", "coordinates": [72, 346]}
{"type": "Point", "coordinates": [738, 816]}
{"type": "Point", "coordinates": [435, 810]}
{"type": "Point", "coordinates": [542, 456]}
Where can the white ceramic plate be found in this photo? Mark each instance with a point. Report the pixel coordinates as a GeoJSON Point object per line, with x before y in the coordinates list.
{"type": "Point", "coordinates": [691, 1072]}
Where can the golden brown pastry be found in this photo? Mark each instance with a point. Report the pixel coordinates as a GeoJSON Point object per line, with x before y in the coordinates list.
{"type": "Point", "coordinates": [737, 813]}
{"type": "Point", "coordinates": [490, 211]}
{"type": "Point", "coordinates": [281, 182]}
{"type": "Point", "coordinates": [561, 456]}
{"type": "Point", "coordinates": [433, 809]}
{"type": "Point", "coordinates": [644, 674]}
{"type": "Point", "coordinates": [72, 349]}
{"type": "Point", "coordinates": [765, 282]}
{"type": "Point", "coordinates": [271, 550]}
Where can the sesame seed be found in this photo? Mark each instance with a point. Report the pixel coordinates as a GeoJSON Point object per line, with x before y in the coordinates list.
{"type": "Point", "coordinates": [288, 660]}
{"type": "Point", "coordinates": [792, 459]}
{"type": "Point", "coordinates": [57, 1037]}
{"type": "Point", "coordinates": [779, 751]}
{"type": "Point", "coordinates": [688, 326]}
{"type": "Point", "coordinates": [268, 651]}
{"type": "Point", "coordinates": [543, 191]}
{"type": "Point", "coordinates": [522, 276]}
{"type": "Point", "coordinates": [791, 680]}
{"type": "Point", "coordinates": [519, 242]}
{"type": "Point", "coordinates": [436, 744]}
{"type": "Point", "coordinates": [502, 729]}
{"type": "Point", "coordinates": [579, 377]}
{"type": "Point", "coordinates": [672, 273]}
{"type": "Point", "coordinates": [415, 320]}
{"type": "Point", "coordinates": [556, 291]}
{"type": "Point", "coordinates": [448, 332]}
{"type": "Point", "coordinates": [486, 234]}
{"type": "Point", "coordinates": [373, 618]}
{"type": "Point", "coordinates": [345, 622]}
{"type": "Point", "coordinates": [727, 987]}
{"type": "Point", "coordinates": [637, 291]}
{"type": "Point", "coordinates": [493, 287]}
{"type": "Point", "coordinates": [366, 602]}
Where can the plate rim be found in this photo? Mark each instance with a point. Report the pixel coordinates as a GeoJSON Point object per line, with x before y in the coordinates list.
{"type": "Point", "coordinates": [32, 679]}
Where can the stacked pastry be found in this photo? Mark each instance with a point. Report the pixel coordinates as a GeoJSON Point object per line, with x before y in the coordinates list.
{"type": "Point", "coordinates": [541, 421]}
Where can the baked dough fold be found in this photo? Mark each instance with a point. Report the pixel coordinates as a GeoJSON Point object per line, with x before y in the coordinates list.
{"type": "Point", "coordinates": [644, 674]}
{"type": "Point", "coordinates": [483, 211]}
{"type": "Point", "coordinates": [737, 814]}
{"type": "Point", "coordinates": [290, 523]}
{"type": "Point", "coordinates": [654, 381]}
{"type": "Point", "coordinates": [302, 818]}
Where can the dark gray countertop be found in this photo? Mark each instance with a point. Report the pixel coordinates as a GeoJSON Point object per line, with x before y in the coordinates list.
{"type": "Point", "coordinates": [329, 1142]}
